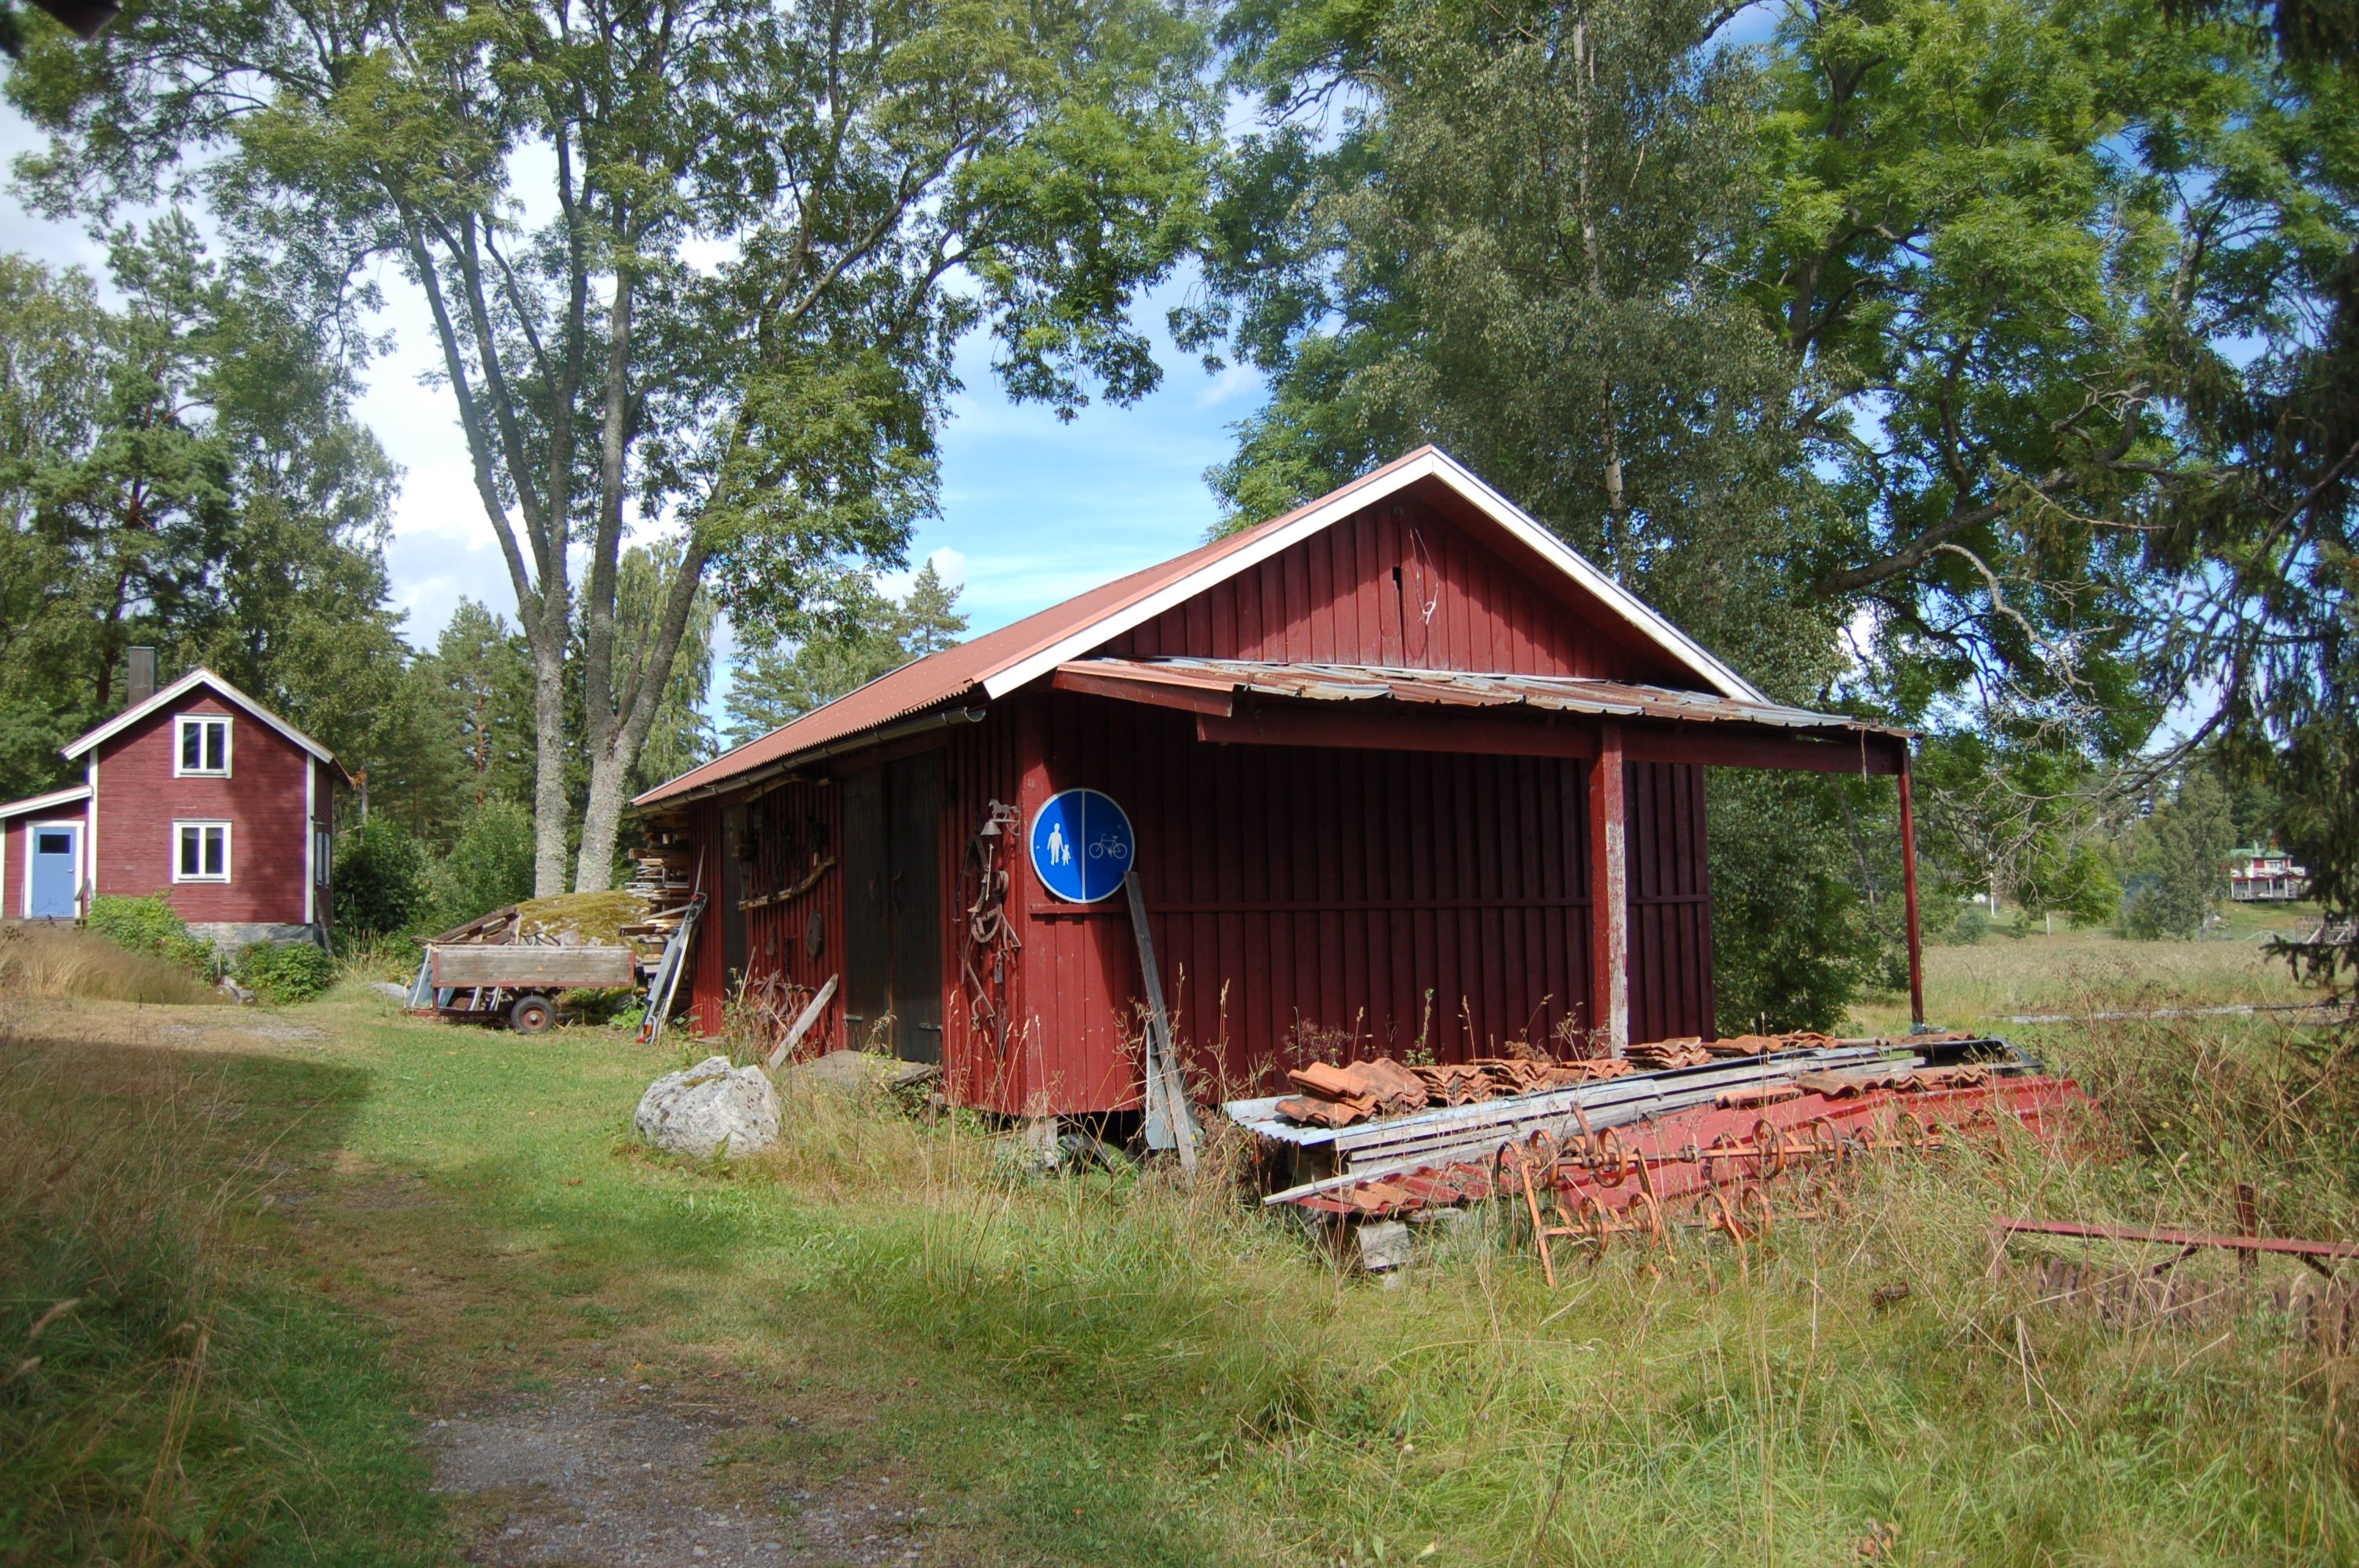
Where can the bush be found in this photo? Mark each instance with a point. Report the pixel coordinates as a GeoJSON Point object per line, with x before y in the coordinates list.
{"type": "Point", "coordinates": [150, 924]}
{"type": "Point", "coordinates": [296, 972]}
{"type": "Point", "coordinates": [384, 880]}
{"type": "Point", "coordinates": [489, 867]}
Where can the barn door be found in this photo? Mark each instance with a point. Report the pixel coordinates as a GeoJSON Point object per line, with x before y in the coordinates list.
{"type": "Point", "coordinates": [893, 907]}
{"type": "Point", "coordinates": [733, 857]}
{"type": "Point", "coordinates": [913, 790]}
{"type": "Point", "coordinates": [868, 923]}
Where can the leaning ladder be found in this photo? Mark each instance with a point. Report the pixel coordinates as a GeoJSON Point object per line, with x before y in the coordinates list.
{"type": "Point", "coordinates": [666, 982]}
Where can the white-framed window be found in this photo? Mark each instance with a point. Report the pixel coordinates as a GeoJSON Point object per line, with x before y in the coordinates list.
{"type": "Point", "coordinates": [203, 746]}
{"type": "Point", "coordinates": [200, 851]}
{"type": "Point", "coordinates": [322, 843]}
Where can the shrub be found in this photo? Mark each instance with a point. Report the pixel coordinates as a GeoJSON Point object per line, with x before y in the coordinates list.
{"type": "Point", "coordinates": [150, 924]}
{"type": "Point", "coordinates": [294, 972]}
{"type": "Point", "coordinates": [489, 867]}
{"type": "Point", "coordinates": [384, 880]}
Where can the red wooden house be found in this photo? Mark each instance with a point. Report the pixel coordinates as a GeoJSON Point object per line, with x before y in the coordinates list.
{"type": "Point", "coordinates": [1395, 769]}
{"type": "Point", "coordinates": [196, 791]}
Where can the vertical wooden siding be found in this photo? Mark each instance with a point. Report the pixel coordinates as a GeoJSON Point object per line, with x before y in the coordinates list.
{"type": "Point", "coordinates": [1670, 902]}
{"type": "Point", "coordinates": [1347, 901]}
{"type": "Point", "coordinates": [1394, 585]}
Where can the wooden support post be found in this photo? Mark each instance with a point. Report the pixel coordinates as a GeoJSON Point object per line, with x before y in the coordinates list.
{"type": "Point", "coordinates": [1609, 894]}
{"type": "Point", "coordinates": [1908, 897]}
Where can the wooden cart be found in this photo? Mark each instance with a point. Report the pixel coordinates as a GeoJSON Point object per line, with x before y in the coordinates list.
{"type": "Point", "coordinates": [513, 983]}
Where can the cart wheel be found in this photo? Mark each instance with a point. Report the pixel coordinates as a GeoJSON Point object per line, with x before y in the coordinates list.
{"type": "Point", "coordinates": [532, 1015]}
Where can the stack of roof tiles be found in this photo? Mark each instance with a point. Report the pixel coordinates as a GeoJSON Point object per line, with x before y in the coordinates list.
{"type": "Point", "coordinates": [1340, 1097]}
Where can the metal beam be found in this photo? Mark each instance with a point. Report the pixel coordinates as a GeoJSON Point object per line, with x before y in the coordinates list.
{"type": "Point", "coordinates": [1908, 897]}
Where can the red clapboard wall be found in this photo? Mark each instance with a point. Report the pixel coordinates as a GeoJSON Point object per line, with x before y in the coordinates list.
{"type": "Point", "coordinates": [263, 800]}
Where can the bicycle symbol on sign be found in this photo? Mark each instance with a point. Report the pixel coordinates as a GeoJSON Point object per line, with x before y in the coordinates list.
{"type": "Point", "coordinates": [1109, 846]}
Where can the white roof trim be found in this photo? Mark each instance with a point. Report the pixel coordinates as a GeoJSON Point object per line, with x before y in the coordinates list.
{"type": "Point", "coordinates": [43, 802]}
{"type": "Point", "coordinates": [1432, 463]}
{"type": "Point", "coordinates": [180, 688]}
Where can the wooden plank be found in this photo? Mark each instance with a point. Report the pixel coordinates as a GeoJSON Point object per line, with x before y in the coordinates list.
{"type": "Point", "coordinates": [1609, 908]}
{"type": "Point", "coordinates": [1166, 1097]}
{"type": "Point", "coordinates": [801, 1025]}
{"type": "Point", "coordinates": [1187, 696]}
{"type": "Point", "coordinates": [1734, 745]}
{"type": "Point", "coordinates": [470, 964]}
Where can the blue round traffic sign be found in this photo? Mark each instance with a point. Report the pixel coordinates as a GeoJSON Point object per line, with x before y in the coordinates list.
{"type": "Point", "coordinates": [1082, 845]}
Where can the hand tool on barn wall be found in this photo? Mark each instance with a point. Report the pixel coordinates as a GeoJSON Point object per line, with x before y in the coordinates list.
{"type": "Point", "coordinates": [1170, 1122]}
{"type": "Point", "coordinates": [989, 944]}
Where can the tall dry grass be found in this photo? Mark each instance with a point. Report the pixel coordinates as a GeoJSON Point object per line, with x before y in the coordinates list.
{"type": "Point", "coordinates": [110, 1290]}
{"type": "Point", "coordinates": [165, 1398]}
{"type": "Point", "coordinates": [1859, 1377]}
{"type": "Point", "coordinates": [64, 962]}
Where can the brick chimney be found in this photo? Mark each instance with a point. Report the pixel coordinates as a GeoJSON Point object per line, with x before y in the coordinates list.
{"type": "Point", "coordinates": [139, 670]}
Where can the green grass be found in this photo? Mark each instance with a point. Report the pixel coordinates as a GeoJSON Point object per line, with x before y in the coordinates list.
{"type": "Point", "coordinates": [165, 1396]}
{"type": "Point", "coordinates": [2081, 972]}
{"type": "Point", "coordinates": [1114, 1368]}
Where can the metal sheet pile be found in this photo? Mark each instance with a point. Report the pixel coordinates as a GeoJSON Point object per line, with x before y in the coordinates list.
{"type": "Point", "coordinates": [1608, 1156]}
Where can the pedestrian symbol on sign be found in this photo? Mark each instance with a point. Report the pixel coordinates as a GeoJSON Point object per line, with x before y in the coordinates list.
{"type": "Point", "coordinates": [1081, 846]}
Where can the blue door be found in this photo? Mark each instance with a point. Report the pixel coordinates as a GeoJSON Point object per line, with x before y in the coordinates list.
{"type": "Point", "coordinates": [57, 869]}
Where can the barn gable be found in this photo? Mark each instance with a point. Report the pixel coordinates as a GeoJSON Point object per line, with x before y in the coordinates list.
{"type": "Point", "coordinates": [1505, 596]}
{"type": "Point", "coordinates": [1413, 582]}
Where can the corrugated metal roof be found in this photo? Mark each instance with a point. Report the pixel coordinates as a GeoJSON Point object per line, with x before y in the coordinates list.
{"type": "Point", "coordinates": [1450, 688]}
{"type": "Point", "coordinates": [1015, 654]}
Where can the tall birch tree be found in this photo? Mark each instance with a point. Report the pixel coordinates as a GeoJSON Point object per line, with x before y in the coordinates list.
{"type": "Point", "coordinates": [690, 263]}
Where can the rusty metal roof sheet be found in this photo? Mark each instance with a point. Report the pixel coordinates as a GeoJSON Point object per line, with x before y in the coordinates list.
{"type": "Point", "coordinates": [1000, 661]}
{"type": "Point", "coordinates": [1454, 689]}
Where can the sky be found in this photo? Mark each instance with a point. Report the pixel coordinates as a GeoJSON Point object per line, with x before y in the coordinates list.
{"type": "Point", "coordinates": [1032, 511]}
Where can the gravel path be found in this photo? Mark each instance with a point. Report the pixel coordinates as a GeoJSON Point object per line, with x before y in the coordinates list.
{"type": "Point", "coordinates": [619, 1476]}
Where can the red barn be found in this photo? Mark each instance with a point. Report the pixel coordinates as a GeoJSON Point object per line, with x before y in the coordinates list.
{"type": "Point", "coordinates": [197, 792]}
{"type": "Point", "coordinates": [1395, 770]}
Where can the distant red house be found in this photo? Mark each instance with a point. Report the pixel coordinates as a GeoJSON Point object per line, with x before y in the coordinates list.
{"type": "Point", "coordinates": [196, 791]}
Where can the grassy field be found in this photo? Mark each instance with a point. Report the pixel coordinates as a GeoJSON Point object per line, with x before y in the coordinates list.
{"type": "Point", "coordinates": [1967, 986]}
{"type": "Point", "coordinates": [394, 1223]}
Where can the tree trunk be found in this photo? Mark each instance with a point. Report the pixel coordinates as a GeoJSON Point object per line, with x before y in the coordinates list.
{"type": "Point", "coordinates": [601, 823]}
{"type": "Point", "coordinates": [549, 805]}
{"type": "Point", "coordinates": [611, 763]}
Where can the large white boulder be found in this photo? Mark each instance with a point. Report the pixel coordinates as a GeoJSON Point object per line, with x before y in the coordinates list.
{"type": "Point", "coordinates": [700, 1110]}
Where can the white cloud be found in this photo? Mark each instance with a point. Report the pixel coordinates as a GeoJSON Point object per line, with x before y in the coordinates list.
{"type": "Point", "coordinates": [1230, 383]}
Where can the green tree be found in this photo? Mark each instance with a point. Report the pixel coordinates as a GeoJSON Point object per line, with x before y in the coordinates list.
{"type": "Point", "coordinates": [680, 736]}
{"type": "Point", "coordinates": [382, 878]}
{"type": "Point", "coordinates": [184, 471]}
{"type": "Point", "coordinates": [867, 635]}
{"type": "Point", "coordinates": [2268, 627]}
{"type": "Point", "coordinates": [481, 673]}
{"type": "Point", "coordinates": [877, 175]}
{"type": "Point", "coordinates": [2182, 853]}
{"type": "Point", "coordinates": [489, 865]}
